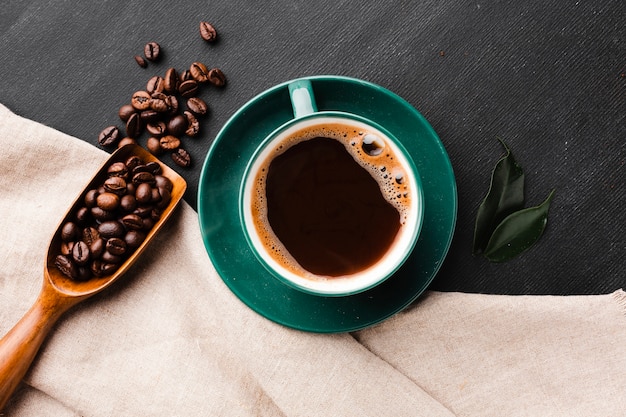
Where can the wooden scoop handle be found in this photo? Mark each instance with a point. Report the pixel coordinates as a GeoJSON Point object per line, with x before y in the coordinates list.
{"type": "Point", "coordinates": [20, 345]}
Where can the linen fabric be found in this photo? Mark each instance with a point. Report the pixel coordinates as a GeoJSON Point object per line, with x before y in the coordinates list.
{"type": "Point", "coordinates": [170, 338]}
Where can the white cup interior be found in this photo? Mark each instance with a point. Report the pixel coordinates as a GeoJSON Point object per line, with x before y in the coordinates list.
{"type": "Point", "coordinates": [346, 284]}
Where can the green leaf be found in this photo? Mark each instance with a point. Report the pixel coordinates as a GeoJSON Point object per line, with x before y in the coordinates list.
{"type": "Point", "coordinates": [518, 232]}
{"type": "Point", "coordinates": [505, 196]}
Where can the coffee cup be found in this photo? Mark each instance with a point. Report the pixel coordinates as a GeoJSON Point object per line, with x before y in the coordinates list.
{"type": "Point", "coordinates": [331, 203]}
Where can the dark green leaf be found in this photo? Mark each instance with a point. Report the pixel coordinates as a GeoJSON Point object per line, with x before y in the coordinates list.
{"type": "Point", "coordinates": [505, 196]}
{"type": "Point", "coordinates": [518, 232]}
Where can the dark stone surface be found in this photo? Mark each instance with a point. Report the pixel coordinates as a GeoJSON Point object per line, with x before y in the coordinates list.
{"type": "Point", "coordinates": [547, 77]}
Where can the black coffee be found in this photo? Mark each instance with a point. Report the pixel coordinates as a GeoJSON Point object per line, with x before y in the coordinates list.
{"type": "Point", "coordinates": [331, 200]}
{"type": "Point", "coordinates": [327, 210]}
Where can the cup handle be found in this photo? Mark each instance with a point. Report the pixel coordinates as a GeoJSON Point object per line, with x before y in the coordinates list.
{"type": "Point", "coordinates": [302, 98]}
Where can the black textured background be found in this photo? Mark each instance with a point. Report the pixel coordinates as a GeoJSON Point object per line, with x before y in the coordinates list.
{"type": "Point", "coordinates": [548, 77]}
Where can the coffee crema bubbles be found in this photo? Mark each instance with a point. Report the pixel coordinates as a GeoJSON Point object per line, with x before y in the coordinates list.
{"type": "Point", "coordinates": [330, 200]}
{"type": "Point", "coordinates": [114, 219]}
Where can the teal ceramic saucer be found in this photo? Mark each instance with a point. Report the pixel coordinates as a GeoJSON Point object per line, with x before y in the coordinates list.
{"type": "Point", "coordinates": [238, 267]}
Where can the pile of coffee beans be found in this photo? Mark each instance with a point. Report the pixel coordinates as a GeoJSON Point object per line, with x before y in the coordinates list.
{"type": "Point", "coordinates": [114, 219]}
{"type": "Point", "coordinates": [168, 108]}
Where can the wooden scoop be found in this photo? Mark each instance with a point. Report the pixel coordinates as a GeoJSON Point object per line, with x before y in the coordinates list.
{"type": "Point", "coordinates": [58, 293]}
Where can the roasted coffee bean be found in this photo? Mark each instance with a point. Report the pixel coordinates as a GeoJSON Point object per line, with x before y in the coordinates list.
{"type": "Point", "coordinates": [70, 232]}
{"type": "Point", "coordinates": [149, 115]}
{"type": "Point", "coordinates": [97, 248]}
{"type": "Point", "coordinates": [144, 177]}
{"type": "Point", "coordinates": [154, 146]}
{"type": "Point", "coordinates": [177, 125]}
{"type": "Point", "coordinates": [140, 168]}
{"type": "Point", "coordinates": [101, 269]}
{"type": "Point", "coordinates": [100, 214]}
{"type": "Point", "coordinates": [217, 77]}
{"type": "Point", "coordinates": [110, 258]}
{"type": "Point", "coordinates": [83, 216]}
{"type": "Point", "coordinates": [148, 223]}
{"type": "Point", "coordinates": [80, 253]}
{"type": "Point", "coordinates": [128, 203]}
{"type": "Point", "coordinates": [111, 228]}
{"type": "Point", "coordinates": [181, 158]}
{"type": "Point", "coordinates": [84, 273]}
{"type": "Point", "coordinates": [152, 51]}
{"type": "Point", "coordinates": [117, 169]}
{"type": "Point", "coordinates": [143, 193]}
{"type": "Point", "coordinates": [208, 32]}
{"type": "Point", "coordinates": [163, 182]}
{"type": "Point", "coordinates": [90, 235]}
{"type": "Point", "coordinates": [108, 268]}
{"type": "Point", "coordinates": [109, 136]}
{"type": "Point", "coordinates": [165, 197]}
{"type": "Point", "coordinates": [66, 266]}
{"type": "Point", "coordinates": [169, 142]}
{"type": "Point", "coordinates": [126, 141]}
{"type": "Point", "coordinates": [108, 201]}
{"type": "Point", "coordinates": [153, 167]}
{"type": "Point", "coordinates": [155, 214]}
{"type": "Point", "coordinates": [172, 105]}
{"type": "Point", "coordinates": [197, 106]}
{"type": "Point", "coordinates": [96, 268]}
{"type": "Point", "coordinates": [185, 76]}
{"type": "Point", "coordinates": [132, 221]}
{"type": "Point", "coordinates": [133, 126]}
{"type": "Point", "coordinates": [155, 84]}
{"type": "Point", "coordinates": [158, 103]}
{"type": "Point", "coordinates": [142, 211]}
{"type": "Point", "coordinates": [115, 185]}
{"type": "Point", "coordinates": [134, 238]}
{"type": "Point", "coordinates": [193, 125]}
{"type": "Point", "coordinates": [116, 246]}
{"type": "Point", "coordinates": [188, 88]}
{"type": "Point", "coordinates": [170, 81]}
{"type": "Point", "coordinates": [140, 100]}
{"type": "Point", "coordinates": [140, 61]}
{"type": "Point", "coordinates": [199, 72]}
{"type": "Point", "coordinates": [157, 129]}
{"type": "Point", "coordinates": [160, 95]}
{"type": "Point", "coordinates": [156, 196]}
{"type": "Point", "coordinates": [66, 248]}
{"type": "Point", "coordinates": [90, 198]}
{"type": "Point", "coordinates": [125, 111]}
{"type": "Point", "coordinates": [132, 162]}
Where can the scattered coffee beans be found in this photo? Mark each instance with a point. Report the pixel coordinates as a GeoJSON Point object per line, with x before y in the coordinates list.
{"type": "Point", "coordinates": [170, 81]}
{"type": "Point", "coordinates": [109, 136]}
{"type": "Point", "coordinates": [208, 32]}
{"type": "Point", "coordinates": [197, 106]}
{"type": "Point", "coordinates": [151, 51]}
{"type": "Point", "coordinates": [181, 158]}
{"type": "Point", "coordinates": [140, 61]}
{"type": "Point", "coordinates": [114, 220]}
{"type": "Point", "coordinates": [217, 77]}
{"type": "Point", "coordinates": [199, 72]}
{"type": "Point", "coordinates": [156, 109]}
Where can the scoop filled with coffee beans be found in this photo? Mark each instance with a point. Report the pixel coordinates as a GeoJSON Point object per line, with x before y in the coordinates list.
{"type": "Point", "coordinates": [102, 234]}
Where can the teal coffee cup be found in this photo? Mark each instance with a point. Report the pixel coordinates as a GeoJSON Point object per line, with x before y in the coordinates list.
{"type": "Point", "coordinates": [331, 203]}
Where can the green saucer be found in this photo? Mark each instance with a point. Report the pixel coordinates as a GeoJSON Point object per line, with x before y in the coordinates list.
{"type": "Point", "coordinates": [222, 232]}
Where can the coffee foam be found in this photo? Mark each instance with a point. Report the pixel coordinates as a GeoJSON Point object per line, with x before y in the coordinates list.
{"type": "Point", "coordinates": [370, 150]}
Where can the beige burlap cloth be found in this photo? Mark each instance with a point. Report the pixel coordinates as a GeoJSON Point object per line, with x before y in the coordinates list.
{"type": "Point", "coordinates": [170, 339]}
